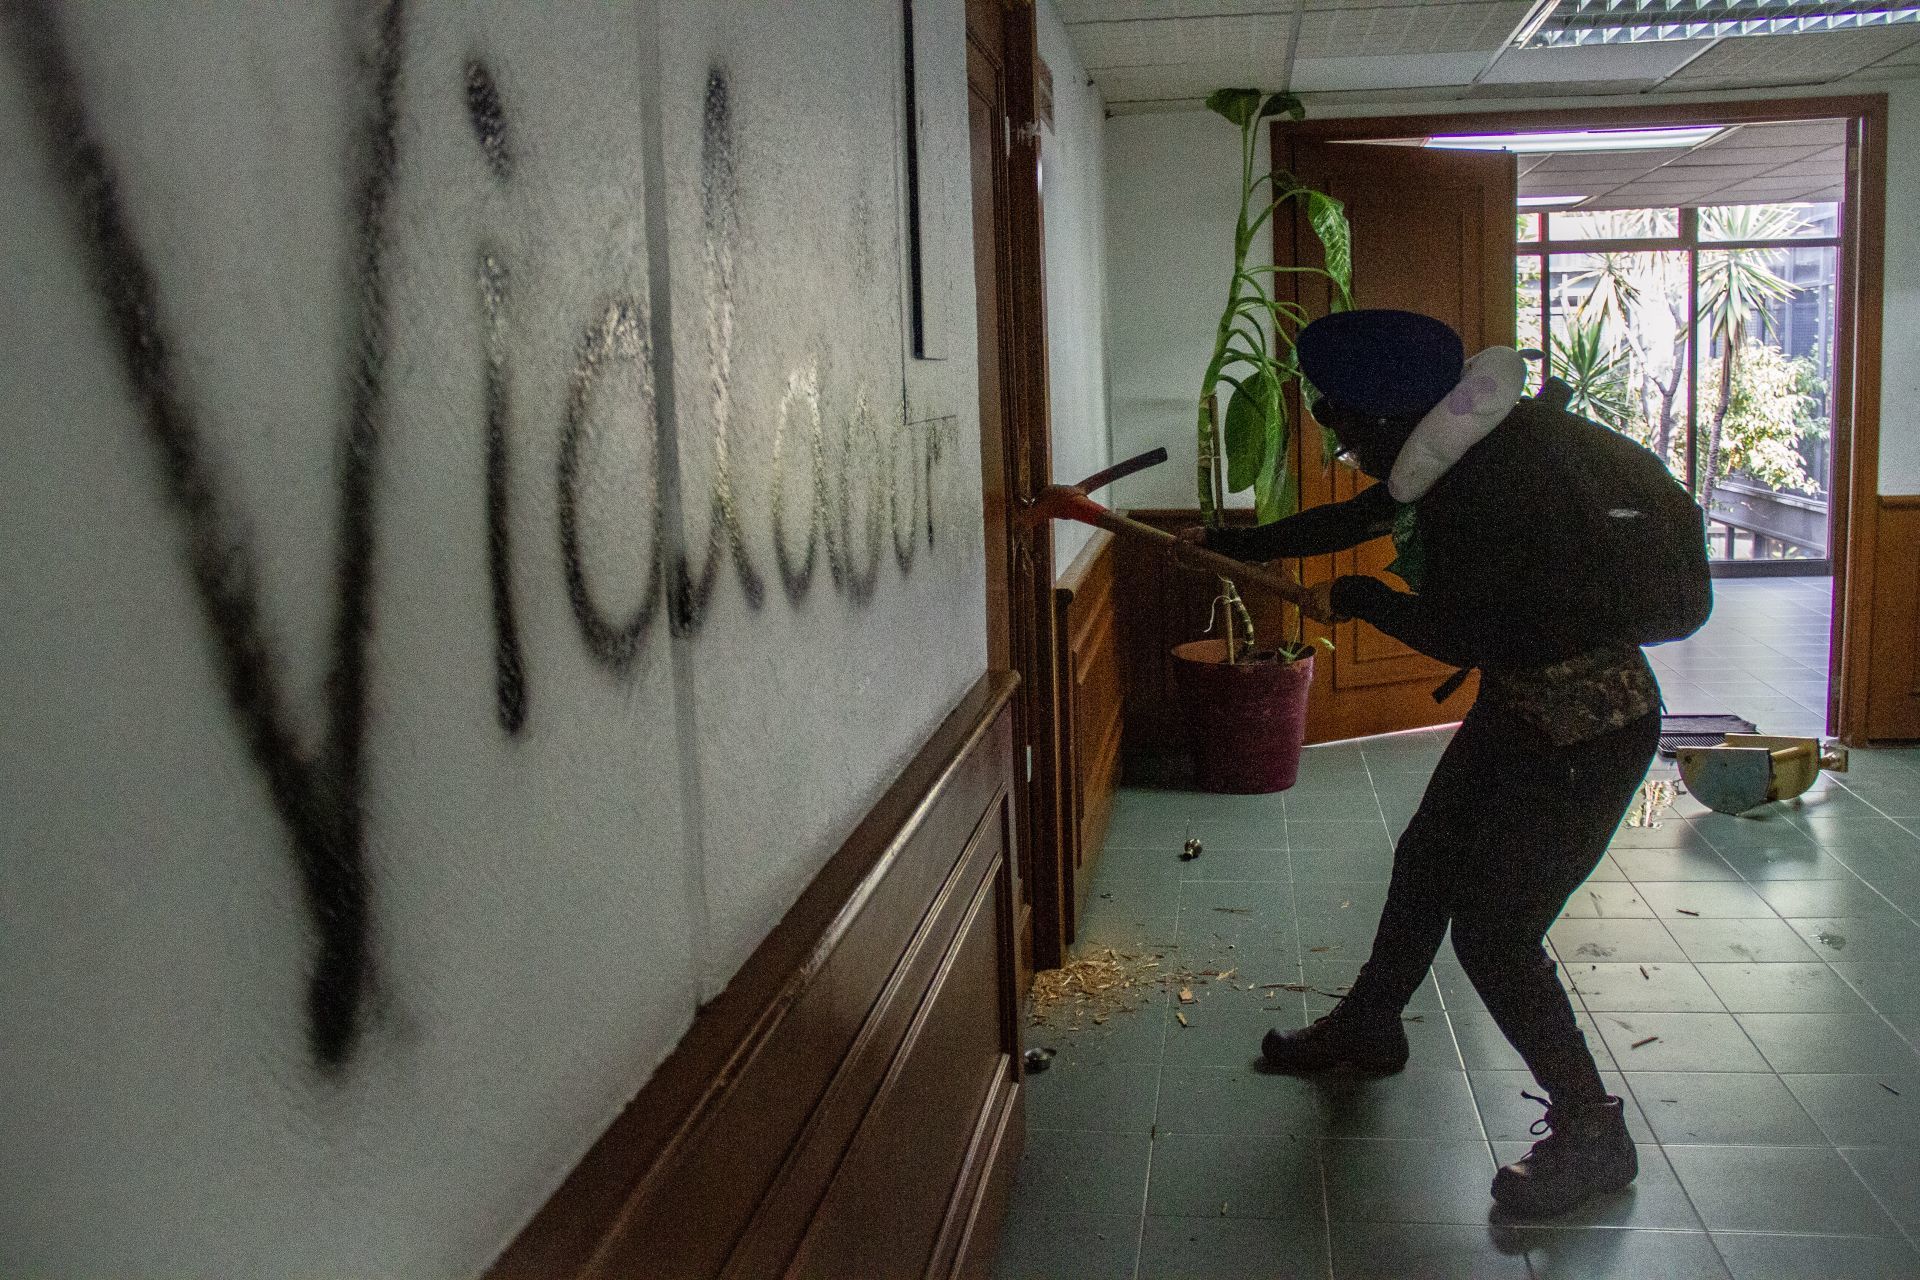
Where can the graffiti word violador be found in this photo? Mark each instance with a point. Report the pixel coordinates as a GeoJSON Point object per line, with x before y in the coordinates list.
{"type": "Point", "coordinates": [866, 481]}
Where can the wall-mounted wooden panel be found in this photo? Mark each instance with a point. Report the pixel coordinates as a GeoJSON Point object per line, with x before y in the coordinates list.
{"type": "Point", "coordinates": [1893, 673]}
{"type": "Point", "coordinates": [856, 1086]}
{"type": "Point", "coordinates": [1090, 691]}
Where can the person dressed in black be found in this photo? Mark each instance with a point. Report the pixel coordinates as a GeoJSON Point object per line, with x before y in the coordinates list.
{"type": "Point", "coordinates": [1508, 513]}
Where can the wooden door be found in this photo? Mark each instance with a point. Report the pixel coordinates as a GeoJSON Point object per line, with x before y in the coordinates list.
{"type": "Point", "coordinates": [1015, 449]}
{"type": "Point", "coordinates": [1433, 232]}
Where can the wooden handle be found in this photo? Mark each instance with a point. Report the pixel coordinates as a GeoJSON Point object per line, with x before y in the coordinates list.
{"type": "Point", "coordinates": [1061, 503]}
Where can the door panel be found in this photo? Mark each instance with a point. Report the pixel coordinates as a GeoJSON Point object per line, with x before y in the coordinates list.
{"type": "Point", "coordinates": [1433, 231]}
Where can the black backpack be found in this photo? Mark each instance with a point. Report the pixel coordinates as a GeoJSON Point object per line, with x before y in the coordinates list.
{"type": "Point", "coordinates": [1643, 537]}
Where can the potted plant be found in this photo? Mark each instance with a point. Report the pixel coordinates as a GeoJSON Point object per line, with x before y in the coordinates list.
{"type": "Point", "coordinates": [1246, 703]}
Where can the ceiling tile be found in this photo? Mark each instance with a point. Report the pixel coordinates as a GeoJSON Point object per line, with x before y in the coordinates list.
{"type": "Point", "coordinates": [1813, 58]}
{"type": "Point", "coordinates": [1177, 41]}
{"type": "Point", "coordinates": [1134, 84]}
{"type": "Point", "coordinates": [1075, 11]}
{"type": "Point", "coordinates": [1647, 60]}
{"type": "Point", "coordinates": [1401, 71]}
{"type": "Point", "coordinates": [1630, 161]}
{"type": "Point", "coordinates": [1385, 30]}
{"type": "Point", "coordinates": [1559, 89]}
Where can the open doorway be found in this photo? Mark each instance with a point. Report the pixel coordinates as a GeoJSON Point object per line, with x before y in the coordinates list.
{"type": "Point", "coordinates": [1706, 277]}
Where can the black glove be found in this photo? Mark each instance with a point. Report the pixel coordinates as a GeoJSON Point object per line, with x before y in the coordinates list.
{"type": "Point", "coordinates": [1241, 542]}
{"type": "Point", "coordinates": [1356, 595]}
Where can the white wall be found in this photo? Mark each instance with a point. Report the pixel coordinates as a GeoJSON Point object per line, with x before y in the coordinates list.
{"type": "Point", "coordinates": [547, 907]}
{"type": "Point", "coordinates": [1900, 320]}
{"type": "Point", "coordinates": [1172, 202]}
{"type": "Point", "coordinates": [1073, 191]}
{"type": "Point", "coordinates": [1170, 216]}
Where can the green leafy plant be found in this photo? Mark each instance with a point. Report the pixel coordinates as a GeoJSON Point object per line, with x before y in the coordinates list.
{"type": "Point", "coordinates": [1253, 358]}
{"type": "Point", "coordinates": [1737, 285]}
{"type": "Point", "coordinates": [1595, 368]}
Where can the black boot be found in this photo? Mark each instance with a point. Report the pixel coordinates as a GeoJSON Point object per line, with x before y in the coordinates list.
{"type": "Point", "coordinates": [1350, 1039]}
{"type": "Point", "coordinates": [1587, 1152]}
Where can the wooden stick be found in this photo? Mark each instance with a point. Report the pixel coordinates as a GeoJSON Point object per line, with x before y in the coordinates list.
{"type": "Point", "coordinates": [1058, 502]}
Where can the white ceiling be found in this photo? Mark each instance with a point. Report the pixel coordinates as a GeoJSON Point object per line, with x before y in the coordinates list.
{"type": "Point", "coordinates": [1159, 55]}
{"type": "Point", "coordinates": [1148, 55]}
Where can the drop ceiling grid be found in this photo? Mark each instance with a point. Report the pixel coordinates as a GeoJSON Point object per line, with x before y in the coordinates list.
{"type": "Point", "coordinates": [1798, 59]}
{"type": "Point", "coordinates": [1386, 30]}
{"type": "Point", "coordinates": [1177, 41]}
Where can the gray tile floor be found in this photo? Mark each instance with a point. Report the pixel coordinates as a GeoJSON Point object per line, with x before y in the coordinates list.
{"type": "Point", "coordinates": [1775, 958]}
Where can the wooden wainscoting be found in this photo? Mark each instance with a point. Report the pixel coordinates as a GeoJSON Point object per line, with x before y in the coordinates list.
{"type": "Point", "coordinates": [1090, 709]}
{"type": "Point", "coordinates": [850, 1104]}
{"type": "Point", "coordinates": [1892, 675]}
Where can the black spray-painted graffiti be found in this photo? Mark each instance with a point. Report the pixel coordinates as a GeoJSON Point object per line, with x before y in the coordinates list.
{"type": "Point", "coordinates": [318, 791]}
{"type": "Point", "coordinates": [318, 794]}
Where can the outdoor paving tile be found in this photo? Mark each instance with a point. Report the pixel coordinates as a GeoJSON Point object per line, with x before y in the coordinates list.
{"type": "Point", "coordinates": [1047, 1246]}
{"type": "Point", "coordinates": [1781, 988]}
{"type": "Point", "coordinates": [1568, 1253]}
{"type": "Point", "coordinates": [1415, 1181]}
{"type": "Point", "coordinates": [1685, 1042]}
{"type": "Point", "coordinates": [1216, 1248]}
{"type": "Point", "coordinates": [1732, 1108]}
{"type": "Point", "coordinates": [1655, 1200]}
{"type": "Point", "coordinates": [1881, 1110]}
{"type": "Point", "coordinates": [1785, 1189]}
{"type": "Point", "coordinates": [1399, 1251]}
{"type": "Point", "coordinates": [1235, 1175]}
{"type": "Point", "coordinates": [1738, 940]}
{"type": "Point", "coordinates": [1759, 1256]}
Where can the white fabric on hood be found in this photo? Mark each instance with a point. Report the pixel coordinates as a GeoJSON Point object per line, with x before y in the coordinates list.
{"type": "Point", "coordinates": [1490, 385]}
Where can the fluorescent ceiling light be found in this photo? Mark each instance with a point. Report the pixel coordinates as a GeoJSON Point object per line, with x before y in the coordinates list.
{"type": "Point", "coordinates": [1586, 22]}
{"type": "Point", "coordinates": [1582, 140]}
{"type": "Point", "coordinates": [1548, 202]}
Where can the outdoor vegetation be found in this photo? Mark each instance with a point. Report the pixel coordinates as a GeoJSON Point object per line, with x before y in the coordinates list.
{"type": "Point", "coordinates": [1622, 326]}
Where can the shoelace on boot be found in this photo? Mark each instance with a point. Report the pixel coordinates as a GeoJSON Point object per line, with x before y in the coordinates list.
{"type": "Point", "coordinates": [1542, 1128]}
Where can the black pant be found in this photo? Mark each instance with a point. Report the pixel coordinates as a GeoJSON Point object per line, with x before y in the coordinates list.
{"type": "Point", "coordinates": [1509, 827]}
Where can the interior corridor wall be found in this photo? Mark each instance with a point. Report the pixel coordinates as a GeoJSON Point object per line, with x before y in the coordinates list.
{"type": "Point", "coordinates": [1073, 168]}
{"type": "Point", "coordinates": [477, 539]}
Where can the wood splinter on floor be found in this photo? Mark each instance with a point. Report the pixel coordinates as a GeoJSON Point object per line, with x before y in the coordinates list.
{"type": "Point", "coordinates": [1889, 1088]}
{"type": "Point", "coordinates": [1182, 1017]}
{"type": "Point", "coordinates": [1683, 911]}
{"type": "Point", "coordinates": [1645, 974]}
{"type": "Point", "coordinates": [1648, 1040]}
{"type": "Point", "coordinates": [1186, 995]}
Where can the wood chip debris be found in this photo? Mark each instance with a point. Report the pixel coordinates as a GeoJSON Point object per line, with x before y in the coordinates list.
{"type": "Point", "coordinates": [1655, 797]}
{"type": "Point", "coordinates": [1889, 1088]}
{"type": "Point", "coordinates": [1645, 1041]}
{"type": "Point", "coordinates": [1236, 911]}
{"type": "Point", "coordinates": [1187, 996]}
{"type": "Point", "coordinates": [1182, 1017]}
{"type": "Point", "coordinates": [1683, 911]}
{"type": "Point", "coordinates": [1645, 974]}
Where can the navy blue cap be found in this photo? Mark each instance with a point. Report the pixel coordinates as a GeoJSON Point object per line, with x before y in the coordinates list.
{"type": "Point", "coordinates": [1383, 364]}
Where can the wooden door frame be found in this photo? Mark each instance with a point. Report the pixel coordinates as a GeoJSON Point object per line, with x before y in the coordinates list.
{"type": "Point", "coordinates": [1854, 498]}
{"type": "Point", "coordinates": [1010, 39]}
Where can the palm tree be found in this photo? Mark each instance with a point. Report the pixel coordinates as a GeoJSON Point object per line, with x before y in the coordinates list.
{"type": "Point", "coordinates": [1596, 369]}
{"type": "Point", "coordinates": [1735, 286]}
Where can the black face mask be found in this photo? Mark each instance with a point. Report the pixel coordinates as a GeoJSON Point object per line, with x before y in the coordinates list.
{"type": "Point", "coordinates": [1372, 444]}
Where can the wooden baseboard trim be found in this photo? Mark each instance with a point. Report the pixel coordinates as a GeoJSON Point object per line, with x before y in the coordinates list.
{"type": "Point", "coordinates": [751, 1147]}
